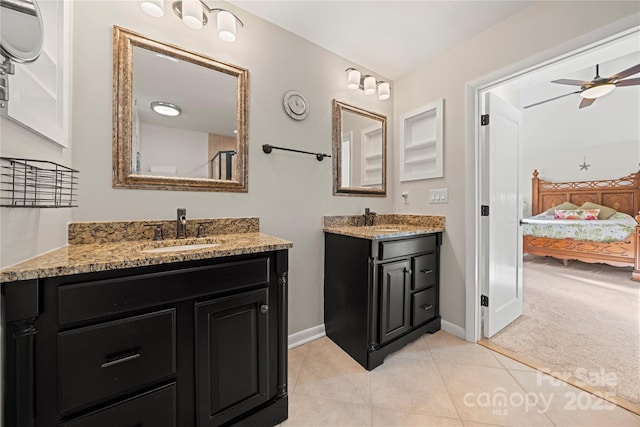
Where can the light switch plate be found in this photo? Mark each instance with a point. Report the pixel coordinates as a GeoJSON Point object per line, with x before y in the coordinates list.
{"type": "Point", "coordinates": [439, 196]}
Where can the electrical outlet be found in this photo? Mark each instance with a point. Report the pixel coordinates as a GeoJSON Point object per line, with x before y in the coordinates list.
{"type": "Point", "coordinates": [439, 196]}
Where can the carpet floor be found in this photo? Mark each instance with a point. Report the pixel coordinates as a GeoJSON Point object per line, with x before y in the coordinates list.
{"type": "Point", "coordinates": [581, 321]}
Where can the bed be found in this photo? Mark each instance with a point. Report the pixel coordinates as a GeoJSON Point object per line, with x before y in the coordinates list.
{"type": "Point", "coordinates": [618, 243]}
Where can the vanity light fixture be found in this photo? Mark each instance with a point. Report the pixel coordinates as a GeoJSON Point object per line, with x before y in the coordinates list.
{"type": "Point", "coordinates": [166, 108]}
{"type": "Point", "coordinates": [368, 84]}
{"type": "Point", "coordinates": [192, 13]}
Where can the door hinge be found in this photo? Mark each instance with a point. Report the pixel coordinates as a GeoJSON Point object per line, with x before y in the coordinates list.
{"type": "Point", "coordinates": [484, 210]}
{"type": "Point", "coordinates": [484, 119]}
{"type": "Point", "coordinates": [484, 301]}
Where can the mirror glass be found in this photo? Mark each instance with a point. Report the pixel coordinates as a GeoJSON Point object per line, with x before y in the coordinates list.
{"type": "Point", "coordinates": [359, 151]}
{"type": "Point", "coordinates": [21, 31]}
{"type": "Point", "coordinates": [200, 142]}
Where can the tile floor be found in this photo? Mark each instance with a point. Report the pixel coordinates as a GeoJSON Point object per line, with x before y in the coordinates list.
{"type": "Point", "coordinates": [438, 380]}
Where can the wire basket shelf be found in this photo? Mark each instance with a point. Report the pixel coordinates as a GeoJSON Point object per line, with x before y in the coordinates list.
{"type": "Point", "coordinates": [27, 183]}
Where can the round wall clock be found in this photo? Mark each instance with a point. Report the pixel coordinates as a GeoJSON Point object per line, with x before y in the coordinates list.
{"type": "Point", "coordinates": [296, 105]}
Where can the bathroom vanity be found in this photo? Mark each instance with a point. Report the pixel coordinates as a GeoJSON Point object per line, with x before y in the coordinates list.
{"type": "Point", "coordinates": [117, 334]}
{"type": "Point", "coordinates": [381, 286]}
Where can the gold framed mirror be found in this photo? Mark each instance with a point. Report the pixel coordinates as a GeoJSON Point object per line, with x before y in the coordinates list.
{"type": "Point", "coordinates": [202, 144]}
{"type": "Point", "coordinates": [359, 151]}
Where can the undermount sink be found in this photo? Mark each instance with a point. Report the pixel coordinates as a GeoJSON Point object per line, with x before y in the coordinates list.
{"type": "Point", "coordinates": [178, 248]}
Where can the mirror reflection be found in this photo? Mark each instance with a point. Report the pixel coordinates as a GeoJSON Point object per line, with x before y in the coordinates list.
{"type": "Point", "coordinates": [180, 118]}
{"type": "Point", "coordinates": [359, 151]}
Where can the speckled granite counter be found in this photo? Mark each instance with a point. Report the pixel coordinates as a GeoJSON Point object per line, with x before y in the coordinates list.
{"type": "Point", "coordinates": [386, 225]}
{"type": "Point", "coordinates": [106, 246]}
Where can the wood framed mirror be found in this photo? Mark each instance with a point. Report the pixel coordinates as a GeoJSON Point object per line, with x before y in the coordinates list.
{"type": "Point", "coordinates": [202, 145]}
{"type": "Point", "coordinates": [359, 151]}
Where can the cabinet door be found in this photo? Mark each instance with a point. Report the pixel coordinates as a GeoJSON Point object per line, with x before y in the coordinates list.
{"type": "Point", "coordinates": [231, 356]}
{"type": "Point", "coordinates": [395, 310]}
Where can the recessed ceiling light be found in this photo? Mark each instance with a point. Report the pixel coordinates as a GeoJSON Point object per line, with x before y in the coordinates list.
{"type": "Point", "coordinates": [166, 108]}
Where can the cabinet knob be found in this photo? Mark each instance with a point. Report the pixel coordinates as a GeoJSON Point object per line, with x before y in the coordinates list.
{"type": "Point", "coordinates": [264, 308]}
{"type": "Point", "coordinates": [408, 271]}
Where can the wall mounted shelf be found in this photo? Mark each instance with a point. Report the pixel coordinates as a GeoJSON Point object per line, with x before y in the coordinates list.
{"type": "Point", "coordinates": [28, 183]}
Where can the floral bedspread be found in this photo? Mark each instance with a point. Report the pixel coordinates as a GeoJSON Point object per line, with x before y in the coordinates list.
{"type": "Point", "coordinates": [615, 229]}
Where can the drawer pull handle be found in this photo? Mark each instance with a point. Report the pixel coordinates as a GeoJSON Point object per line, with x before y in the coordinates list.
{"type": "Point", "coordinates": [264, 308]}
{"type": "Point", "coordinates": [427, 307]}
{"type": "Point", "coordinates": [426, 271]}
{"type": "Point", "coordinates": [120, 360]}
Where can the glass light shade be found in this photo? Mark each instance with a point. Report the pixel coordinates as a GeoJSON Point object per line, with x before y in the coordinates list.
{"type": "Point", "coordinates": [166, 108]}
{"type": "Point", "coordinates": [369, 85]}
{"type": "Point", "coordinates": [353, 79]}
{"type": "Point", "coordinates": [154, 8]}
{"type": "Point", "coordinates": [226, 26]}
{"type": "Point", "coordinates": [384, 91]}
{"type": "Point", "coordinates": [192, 13]}
{"type": "Point", "coordinates": [598, 91]}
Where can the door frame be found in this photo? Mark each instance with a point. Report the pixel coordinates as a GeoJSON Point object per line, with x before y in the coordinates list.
{"type": "Point", "coordinates": [474, 90]}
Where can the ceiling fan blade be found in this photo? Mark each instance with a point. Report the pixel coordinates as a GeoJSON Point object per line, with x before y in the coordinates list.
{"type": "Point", "coordinates": [628, 82]}
{"type": "Point", "coordinates": [570, 82]}
{"type": "Point", "coordinates": [551, 99]}
{"type": "Point", "coordinates": [586, 102]}
{"type": "Point", "coordinates": [626, 73]}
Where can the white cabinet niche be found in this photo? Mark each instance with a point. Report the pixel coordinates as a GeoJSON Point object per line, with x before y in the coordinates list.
{"type": "Point", "coordinates": [421, 142]}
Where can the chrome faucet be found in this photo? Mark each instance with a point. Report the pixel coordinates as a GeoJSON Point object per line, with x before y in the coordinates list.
{"type": "Point", "coordinates": [369, 217]}
{"type": "Point", "coordinates": [181, 224]}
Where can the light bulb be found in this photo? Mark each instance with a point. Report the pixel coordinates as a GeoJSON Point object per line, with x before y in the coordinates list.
{"type": "Point", "coordinates": [154, 8]}
{"type": "Point", "coordinates": [384, 91]}
{"type": "Point", "coordinates": [597, 91]}
{"type": "Point", "coordinates": [369, 85]}
{"type": "Point", "coordinates": [192, 13]}
{"type": "Point", "coordinates": [226, 26]}
{"type": "Point", "coordinates": [353, 78]}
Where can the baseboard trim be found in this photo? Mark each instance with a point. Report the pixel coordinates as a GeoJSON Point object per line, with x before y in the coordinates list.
{"type": "Point", "coordinates": [306, 336]}
{"type": "Point", "coordinates": [453, 329]}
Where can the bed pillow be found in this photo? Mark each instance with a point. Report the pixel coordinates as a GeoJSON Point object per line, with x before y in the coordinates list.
{"type": "Point", "coordinates": [563, 205]}
{"type": "Point", "coordinates": [584, 214]}
{"type": "Point", "coordinates": [605, 212]}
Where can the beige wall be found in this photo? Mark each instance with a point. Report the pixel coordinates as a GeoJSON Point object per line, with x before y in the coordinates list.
{"type": "Point", "coordinates": [289, 192]}
{"type": "Point", "coordinates": [538, 33]}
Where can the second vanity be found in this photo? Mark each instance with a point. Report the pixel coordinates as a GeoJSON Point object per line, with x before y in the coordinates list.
{"type": "Point", "coordinates": [105, 332]}
{"type": "Point", "coordinates": [382, 285]}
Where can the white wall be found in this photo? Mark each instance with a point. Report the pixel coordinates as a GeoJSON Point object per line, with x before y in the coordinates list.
{"type": "Point", "coordinates": [533, 35]}
{"type": "Point", "coordinates": [289, 192]}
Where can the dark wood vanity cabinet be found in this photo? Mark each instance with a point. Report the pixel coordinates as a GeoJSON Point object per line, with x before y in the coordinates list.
{"type": "Point", "coordinates": [197, 343]}
{"type": "Point", "coordinates": [379, 295]}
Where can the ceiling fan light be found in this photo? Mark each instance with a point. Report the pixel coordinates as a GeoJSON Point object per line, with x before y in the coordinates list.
{"type": "Point", "coordinates": [597, 91]}
{"type": "Point", "coordinates": [192, 13]}
{"type": "Point", "coordinates": [154, 8]}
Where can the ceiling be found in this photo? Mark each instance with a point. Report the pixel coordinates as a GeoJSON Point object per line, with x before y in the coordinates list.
{"type": "Point", "coordinates": [391, 38]}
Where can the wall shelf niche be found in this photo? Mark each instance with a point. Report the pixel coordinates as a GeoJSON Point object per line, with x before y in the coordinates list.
{"type": "Point", "coordinates": [421, 142]}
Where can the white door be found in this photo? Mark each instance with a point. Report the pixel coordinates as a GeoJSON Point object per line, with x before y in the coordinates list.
{"type": "Point", "coordinates": [501, 236]}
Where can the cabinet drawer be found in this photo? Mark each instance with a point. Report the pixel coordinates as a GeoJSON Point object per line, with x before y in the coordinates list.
{"type": "Point", "coordinates": [397, 248]}
{"type": "Point", "coordinates": [94, 299]}
{"type": "Point", "coordinates": [101, 361]}
{"type": "Point", "coordinates": [424, 305]}
{"type": "Point", "coordinates": [425, 271]}
{"type": "Point", "coordinates": [156, 408]}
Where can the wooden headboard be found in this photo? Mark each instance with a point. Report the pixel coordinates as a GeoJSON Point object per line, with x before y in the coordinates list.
{"type": "Point", "coordinates": [622, 194]}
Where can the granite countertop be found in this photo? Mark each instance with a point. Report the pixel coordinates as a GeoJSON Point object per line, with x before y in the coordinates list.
{"type": "Point", "coordinates": [386, 226]}
{"type": "Point", "coordinates": [102, 253]}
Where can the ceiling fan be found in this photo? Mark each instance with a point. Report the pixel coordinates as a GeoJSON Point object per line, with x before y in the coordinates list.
{"type": "Point", "coordinates": [596, 88]}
